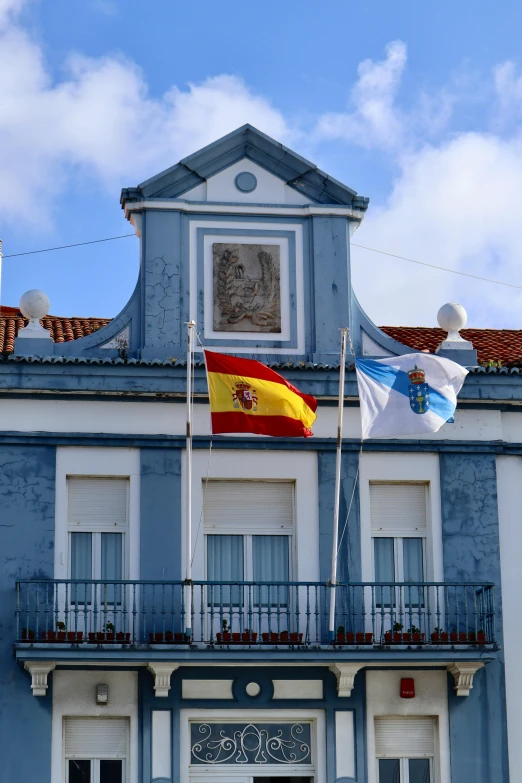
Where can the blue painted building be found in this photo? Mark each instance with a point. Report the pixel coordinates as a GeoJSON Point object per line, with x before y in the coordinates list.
{"type": "Point", "coordinates": [252, 242]}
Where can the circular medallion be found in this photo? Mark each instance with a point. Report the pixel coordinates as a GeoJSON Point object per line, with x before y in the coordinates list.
{"type": "Point", "coordinates": [246, 182]}
{"type": "Point", "coordinates": [253, 689]}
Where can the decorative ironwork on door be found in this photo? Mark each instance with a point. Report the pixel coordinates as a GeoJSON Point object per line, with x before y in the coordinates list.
{"type": "Point", "coordinates": [262, 743]}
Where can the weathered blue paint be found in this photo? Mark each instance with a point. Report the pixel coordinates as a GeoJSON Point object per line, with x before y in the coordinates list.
{"type": "Point", "coordinates": [470, 532]}
{"type": "Point", "coordinates": [160, 518]}
{"type": "Point", "coordinates": [349, 565]}
{"type": "Point", "coordinates": [27, 484]}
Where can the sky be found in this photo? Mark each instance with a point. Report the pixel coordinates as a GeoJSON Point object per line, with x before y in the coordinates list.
{"type": "Point", "coordinates": [416, 105]}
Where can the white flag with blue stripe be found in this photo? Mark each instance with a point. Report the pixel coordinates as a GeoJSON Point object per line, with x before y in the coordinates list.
{"type": "Point", "coordinates": [407, 395]}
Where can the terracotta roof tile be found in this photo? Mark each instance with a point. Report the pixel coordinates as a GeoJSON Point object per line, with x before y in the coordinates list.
{"type": "Point", "coordinates": [61, 329]}
{"type": "Point", "coordinates": [498, 345]}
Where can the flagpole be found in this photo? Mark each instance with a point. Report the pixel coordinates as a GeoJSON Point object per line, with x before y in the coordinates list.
{"type": "Point", "coordinates": [188, 580]}
{"type": "Point", "coordinates": [335, 532]}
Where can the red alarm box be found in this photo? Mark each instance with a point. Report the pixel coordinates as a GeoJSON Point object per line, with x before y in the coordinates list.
{"type": "Point", "coordinates": [407, 688]}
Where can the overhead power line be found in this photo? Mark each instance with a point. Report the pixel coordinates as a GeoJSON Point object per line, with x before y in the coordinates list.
{"type": "Point", "coordinates": [64, 247]}
{"type": "Point", "coordinates": [440, 268]}
{"type": "Point", "coordinates": [355, 244]}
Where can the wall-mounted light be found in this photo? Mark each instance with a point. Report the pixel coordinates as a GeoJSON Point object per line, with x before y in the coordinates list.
{"type": "Point", "coordinates": [102, 694]}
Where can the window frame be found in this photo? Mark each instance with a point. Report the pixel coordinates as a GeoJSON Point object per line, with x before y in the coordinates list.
{"type": "Point", "coordinates": [95, 766]}
{"type": "Point", "coordinates": [404, 767]}
{"type": "Point", "coordinates": [96, 546]}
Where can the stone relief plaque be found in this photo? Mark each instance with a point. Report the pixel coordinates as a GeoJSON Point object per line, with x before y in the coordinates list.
{"type": "Point", "coordinates": [247, 288]}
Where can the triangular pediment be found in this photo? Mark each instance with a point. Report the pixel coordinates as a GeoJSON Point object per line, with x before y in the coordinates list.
{"type": "Point", "coordinates": [305, 179]}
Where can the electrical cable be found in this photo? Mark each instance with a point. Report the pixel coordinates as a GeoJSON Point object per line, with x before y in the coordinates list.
{"type": "Point", "coordinates": [354, 244]}
{"type": "Point", "coordinates": [434, 266]}
{"type": "Point", "coordinates": [64, 247]}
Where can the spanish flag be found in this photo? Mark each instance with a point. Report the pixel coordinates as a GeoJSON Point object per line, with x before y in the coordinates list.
{"type": "Point", "coordinates": [247, 396]}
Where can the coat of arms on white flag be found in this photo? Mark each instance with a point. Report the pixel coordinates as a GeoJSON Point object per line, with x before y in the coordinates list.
{"type": "Point", "coordinates": [407, 395]}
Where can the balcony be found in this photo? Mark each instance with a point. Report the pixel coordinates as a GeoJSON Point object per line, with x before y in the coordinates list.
{"type": "Point", "coordinates": [233, 616]}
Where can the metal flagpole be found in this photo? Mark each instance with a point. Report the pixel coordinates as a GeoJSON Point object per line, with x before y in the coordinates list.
{"type": "Point", "coordinates": [188, 580]}
{"type": "Point", "coordinates": [335, 532]}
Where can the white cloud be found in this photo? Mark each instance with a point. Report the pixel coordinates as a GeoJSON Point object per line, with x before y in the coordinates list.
{"type": "Point", "coordinates": [100, 121]}
{"type": "Point", "coordinates": [375, 120]}
{"type": "Point", "coordinates": [455, 205]}
{"type": "Point", "coordinates": [508, 86]}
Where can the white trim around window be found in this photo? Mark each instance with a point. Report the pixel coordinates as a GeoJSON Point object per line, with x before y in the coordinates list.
{"type": "Point", "coordinates": [237, 774]}
{"type": "Point", "coordinates": [300, 468]}
{"type": "Point", "coordinates": [97, 463]}
{"type": "Point", "coordinates": [402, 468]}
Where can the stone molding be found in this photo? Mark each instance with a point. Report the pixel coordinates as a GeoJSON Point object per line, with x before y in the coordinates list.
{"type": "Point", "coordinates": [463, 674]}
{"type": "Point", "coordinates": [345, 673]}
{"type": "Point", "coordinates": [162, 673]}
{"type": "Point", "coordinates": [39, 672]}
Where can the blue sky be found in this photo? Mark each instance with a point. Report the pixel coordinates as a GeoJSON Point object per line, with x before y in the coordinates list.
{"type": "Point", "coordinates": [417, 105]}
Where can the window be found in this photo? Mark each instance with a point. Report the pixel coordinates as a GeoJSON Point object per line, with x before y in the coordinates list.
{"type": "Point", "coordinates": [399, 538]}
{"type": "Point", "coordinates": [96, 750]}
{"type": "Point", "coordinates": [249, 537]}
{"type": "Point", "coordinates": [405, 749]}
{"type": "Point", "coordinates": [97, 524]}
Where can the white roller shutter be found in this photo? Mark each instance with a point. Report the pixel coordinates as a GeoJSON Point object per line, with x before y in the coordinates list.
{"type": "Point", "coordinates": [404, 737]}
{"type": "Point", "coordinates": [398, 508]}
{"type": "Point", "coordinates": [264, 506]}
{"type": "Point", "coordinates": [96, 737]}
{"type": "Point", "coordinates": [97, 503]}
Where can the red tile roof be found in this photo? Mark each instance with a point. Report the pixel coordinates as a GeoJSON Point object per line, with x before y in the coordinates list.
{"type": "Point", "coordinates": [62, 330]}
{"type": "Point", "coordinates": [500, 345]}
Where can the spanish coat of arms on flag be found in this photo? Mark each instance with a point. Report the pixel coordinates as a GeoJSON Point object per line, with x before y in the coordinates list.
{"type": "Point", "coordinates": [247, 396]}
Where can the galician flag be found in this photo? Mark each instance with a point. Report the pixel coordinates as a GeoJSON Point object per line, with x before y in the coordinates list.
{"type": "Point", "coordinates": [407, 395]}
{"type": "Point", "coordinates": [247, 396]}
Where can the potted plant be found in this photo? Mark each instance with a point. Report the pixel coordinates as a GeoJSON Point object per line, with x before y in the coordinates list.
{"type": "Point", "coordinates": [481, 636]}
{"type": "Point", "coordinates": [123, 637]}
{"type": "Point", "coordinates": [439, 636]}
{"type": "Point", "coordinates": [283, 637]}
{"type": "Point", "coordinates": [225, 637]}
{"type": "Point", "coordinates": [109, 632]}
{"type": "Point", "coordinates": [395, 636]}
{"type": "Point", "coordinates": [156, 638]}
{"type": "Point", "coordinates": [416, 635]}
{"type": "Point", "coordinates": [248, 636]}
{"type": "Point", "coordinates": [74, 636]}
{"type": "Point", "coordinates": [363, 638]}
{"type": "Point", "coordinates": [27, 635]}
{"type": "Point", "coordinates": [61, 635]}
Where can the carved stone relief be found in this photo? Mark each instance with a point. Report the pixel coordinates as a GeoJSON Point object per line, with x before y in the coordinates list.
{"type": "Point", "coordinates": [247, 288]}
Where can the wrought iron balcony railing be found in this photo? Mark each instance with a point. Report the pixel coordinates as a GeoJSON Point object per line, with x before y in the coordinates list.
{"type": "Point", "coordinates": [253, 613]}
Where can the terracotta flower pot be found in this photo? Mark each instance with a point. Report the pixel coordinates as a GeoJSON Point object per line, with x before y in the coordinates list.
{"type": "Point", "coordinates": [224, 638]}
{"type": "Point", "coordinates": [122, 637]}
{"type": "Point", "coordinates": [417, 638]}
{"type": "Point", "coordinates": [155, 638]}
{"type": "Point", "coordinates": [74, 636]}
{"type": "Point", "coordinates": [440, 638]}
{"type": "Point", "coordinates": [169, 637]}
{"type": "Point", "coordinates": [283, 638]}
{"type": "Point", "coordinates": [28, 635]}
{"type": "Point", "coordinates": [49, 636]}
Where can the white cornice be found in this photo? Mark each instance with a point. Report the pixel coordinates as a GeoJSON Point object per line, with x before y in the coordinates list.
{"type": "Point", "coordinates": [308, 210]}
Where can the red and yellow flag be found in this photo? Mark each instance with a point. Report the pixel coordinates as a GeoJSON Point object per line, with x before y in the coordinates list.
{"type": "Point", "coordinates": [247, 396]}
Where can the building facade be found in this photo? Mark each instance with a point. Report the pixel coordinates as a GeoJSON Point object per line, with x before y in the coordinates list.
{"type": "Point", "coordinates": [99, 682]}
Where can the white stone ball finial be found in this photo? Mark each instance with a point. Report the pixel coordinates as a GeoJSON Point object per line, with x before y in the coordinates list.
{"type": "Point", "coordinates": [452, 317]}
{"type": "Point", "coordinates": [34, 304]}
